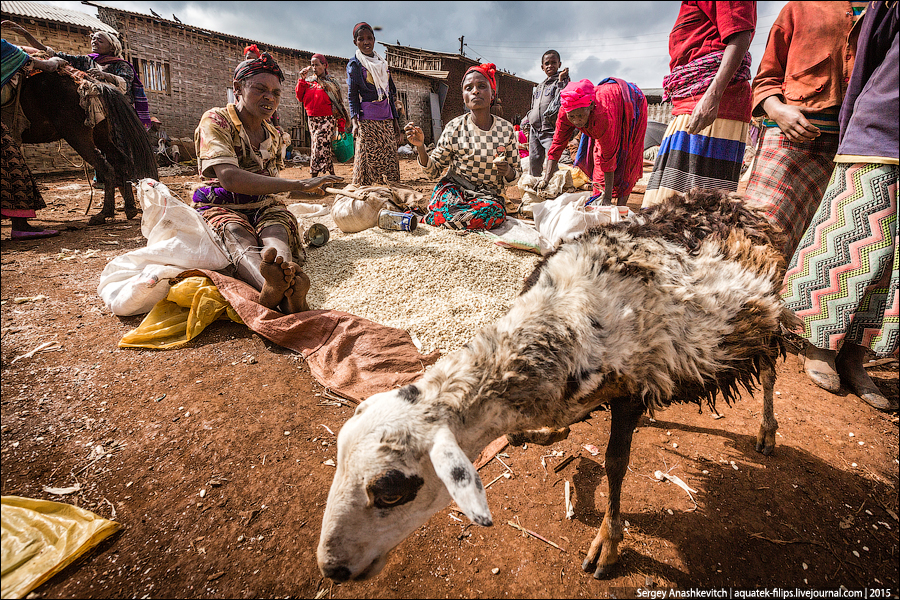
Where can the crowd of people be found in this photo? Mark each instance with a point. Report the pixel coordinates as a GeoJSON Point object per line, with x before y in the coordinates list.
{"type": "Point", "coordinates": [826, 171]}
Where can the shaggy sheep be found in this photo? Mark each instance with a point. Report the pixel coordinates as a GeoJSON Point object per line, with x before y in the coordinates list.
{"type": "Point", "coordinates": [677, 305]}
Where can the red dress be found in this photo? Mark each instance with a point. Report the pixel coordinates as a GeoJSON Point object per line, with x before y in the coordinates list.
{"type": "Point", "coordinates": [606, 126]}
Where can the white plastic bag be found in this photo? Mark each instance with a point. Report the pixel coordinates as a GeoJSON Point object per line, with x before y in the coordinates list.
{"type": "Point", "coordinates": [178, 239]}
{"type": "Point", "coordinates": [567, 217]}
{"type": "Point", "coordinates": [514, 233]}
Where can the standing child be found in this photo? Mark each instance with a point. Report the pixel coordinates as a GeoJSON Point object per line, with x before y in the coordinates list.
{"type": "Point", "coordinates": [540, 122]}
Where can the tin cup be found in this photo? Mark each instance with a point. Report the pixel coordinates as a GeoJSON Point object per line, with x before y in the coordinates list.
{"type": "Point", "coordinates": [397, 221]}
{"type": "Point", "coordinates": [317, 235]}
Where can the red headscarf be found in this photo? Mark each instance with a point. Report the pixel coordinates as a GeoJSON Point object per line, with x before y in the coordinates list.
{"type": "Point", "coordinates": [577, 94]}
{"type": "Point", "coordinates": [489, 70]}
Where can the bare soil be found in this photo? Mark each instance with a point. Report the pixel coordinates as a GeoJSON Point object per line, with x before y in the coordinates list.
{"type": "Point", "coordinates": [242, 420]}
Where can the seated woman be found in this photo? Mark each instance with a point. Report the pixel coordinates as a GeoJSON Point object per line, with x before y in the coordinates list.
{"type": "Point", "coordinates": [613, 117]}
{"type": "Point", "coordinates": [104, 63]}
{"type": "Point", "coordinates": [239, 154]}
{"type": "Point", "coordinates": [478, 150]}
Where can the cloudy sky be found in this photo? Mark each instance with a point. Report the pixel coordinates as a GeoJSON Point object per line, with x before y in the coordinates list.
{"type": "Point", "coordinates": [596, 39]}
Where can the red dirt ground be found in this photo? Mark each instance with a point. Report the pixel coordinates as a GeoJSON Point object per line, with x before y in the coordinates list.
{"type": "Point", "coordinates": [242, 419]}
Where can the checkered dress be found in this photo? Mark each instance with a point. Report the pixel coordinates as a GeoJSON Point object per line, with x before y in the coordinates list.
{"type": "Point", "coordinates": [470, 151]}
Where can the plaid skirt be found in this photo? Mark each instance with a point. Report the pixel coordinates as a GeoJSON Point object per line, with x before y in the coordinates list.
{"type": "Point", "coordinates": [789, 180]}
{"type": "Point", "coordinates": [709, 160]}
{"type": "Point", "coordinates": [842, 281]}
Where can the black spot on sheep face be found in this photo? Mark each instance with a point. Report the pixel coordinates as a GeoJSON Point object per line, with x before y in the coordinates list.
{"type": "Point", "coordinates": [393, 488]}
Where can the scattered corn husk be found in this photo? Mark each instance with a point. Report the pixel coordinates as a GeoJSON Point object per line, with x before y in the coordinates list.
{"type": "Point", "coordinates": [63, 491]}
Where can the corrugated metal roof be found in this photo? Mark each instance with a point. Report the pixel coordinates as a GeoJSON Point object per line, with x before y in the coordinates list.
{"type": "Point", "coordinates": [36, 10]}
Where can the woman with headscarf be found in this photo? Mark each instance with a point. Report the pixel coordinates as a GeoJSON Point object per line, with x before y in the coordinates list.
{"type": "Point", "coordinates": [373, 113]}
{"type": "Point", "coordinates": [478, 151]}
{"type": "Point", "coordinates": [613, 118]}
{"type": "Point", "coordinates": [105, 63]}
{"type": "Point", "coordinates": [21, 198]}
{"type": "Point", "coordinates": [321, 97]}
{"type": "Point", "coordinates": [239, 154]}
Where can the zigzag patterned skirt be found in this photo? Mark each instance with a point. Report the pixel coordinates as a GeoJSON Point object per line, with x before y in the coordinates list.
{"type": "Point", "coordinates": [842, 281]}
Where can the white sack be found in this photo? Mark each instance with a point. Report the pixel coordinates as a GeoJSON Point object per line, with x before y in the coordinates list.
{"type": "Point", "coordinates": [178, 239]}
{"type": "Point", "coordinates": [567, 217]}
{"type": "Point", "coordinates": [359, 211]}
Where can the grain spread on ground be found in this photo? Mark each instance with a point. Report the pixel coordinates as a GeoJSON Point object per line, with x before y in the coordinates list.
{"type": "Point", "coordinates": [440, 286]}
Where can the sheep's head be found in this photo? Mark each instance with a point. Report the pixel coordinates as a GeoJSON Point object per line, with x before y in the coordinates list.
{"type": "Point", "coordinates": [396, 467]}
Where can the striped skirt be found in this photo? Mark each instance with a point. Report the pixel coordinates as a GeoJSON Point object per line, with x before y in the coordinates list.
{"type": "Point", "coordinates": [842, 281]}
{"type": "Point", "coordinates": [376, 154]}
{"type": "Point", "coordinates": [709, 160]}
{"type": "Point", "coordinates": [789, 180]}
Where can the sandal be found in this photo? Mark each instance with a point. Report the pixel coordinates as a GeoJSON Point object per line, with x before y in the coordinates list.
{"type": "Point", "coordinates": [33, 235]}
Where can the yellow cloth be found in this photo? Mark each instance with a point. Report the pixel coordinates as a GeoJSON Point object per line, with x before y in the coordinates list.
{"type": "Point", "coordinates": [191, 305]}
{"type": "Point", "coordinates": [40, 538]}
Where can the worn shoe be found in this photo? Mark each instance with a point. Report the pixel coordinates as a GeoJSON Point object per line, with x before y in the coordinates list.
{"type": "Point", "coordinates": [875, 399]}
{"type": "Point", "coordinates": [821, 372]}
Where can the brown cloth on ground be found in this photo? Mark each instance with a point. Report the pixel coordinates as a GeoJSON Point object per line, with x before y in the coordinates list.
{"type": "Point", "coordinates": [349, 355]}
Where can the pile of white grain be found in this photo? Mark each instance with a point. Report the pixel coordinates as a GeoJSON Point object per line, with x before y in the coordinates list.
{"type": "Point", "coordinates": [440, 286]}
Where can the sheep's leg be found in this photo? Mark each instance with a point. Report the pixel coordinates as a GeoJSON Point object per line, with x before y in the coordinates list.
{"type": "Point", "coordinates": [765, 440]}
{"type": "Point", "coordinates": [604, 550]}
{"type": "Point", "coordinates": [544, 436]}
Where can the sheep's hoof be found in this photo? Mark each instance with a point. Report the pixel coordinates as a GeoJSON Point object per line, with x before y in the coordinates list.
{"type": "Point", "coordinates": [98, 219]}
{"type": "Point", "coordinates": [596, 570]}
{"type": "Point", "coordinates": [544, 436]}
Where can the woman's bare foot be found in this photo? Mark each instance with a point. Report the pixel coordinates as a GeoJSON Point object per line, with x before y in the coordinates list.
{"type": "Point", "coordinates": [278, 275]}
{"type": "Point", "coordinates": [295, 296]}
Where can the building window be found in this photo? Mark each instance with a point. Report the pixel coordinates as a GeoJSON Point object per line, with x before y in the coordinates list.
{"type": "Point", "coordinates": [154, 75]}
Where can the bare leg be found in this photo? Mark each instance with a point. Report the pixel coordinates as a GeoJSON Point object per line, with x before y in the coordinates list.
{"type": "Point", "coordinates": [268, 272]}
{"type": "Point", "coordinates": [604, 550]}
{"type": "Point", "coordinates": [849, 363]}
{"type": "Point", "coordinates": [765, 440]}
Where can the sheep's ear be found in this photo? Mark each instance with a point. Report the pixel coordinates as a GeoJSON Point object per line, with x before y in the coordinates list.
{"type": "Point", "coordinates": [458, 473]}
